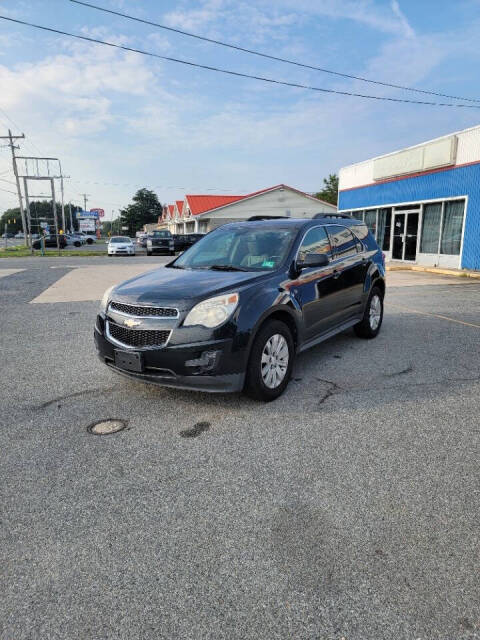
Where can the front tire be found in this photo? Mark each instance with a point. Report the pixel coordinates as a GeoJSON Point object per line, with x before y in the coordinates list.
{"type": "Point", "coordinates": [149, 253]}
{"type": "Point", "coordinates": [372, 320]}
{"type": "Point", "coordinates": [89, 241]}
{"type": "Point", "coordinates": [271, 361]}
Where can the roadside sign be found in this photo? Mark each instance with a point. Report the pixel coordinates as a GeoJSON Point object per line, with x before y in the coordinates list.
{"type": "Point", "coordinates": [100, 212]}
{"type": "Point", "coordinates": [87, 225]}
{"type": "Point", "coordinates": [124, 228]}
{"type": "Point", "coordinates": [87, 214]}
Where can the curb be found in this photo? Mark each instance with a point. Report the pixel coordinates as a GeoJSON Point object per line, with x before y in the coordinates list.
{"type": "Point", "coordinates": [444, 272]}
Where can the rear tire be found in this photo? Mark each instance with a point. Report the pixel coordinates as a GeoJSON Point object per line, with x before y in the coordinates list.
{"type": "Point", "coordinates": [270, 363]}
{"type": "Point", "coordinates": [372, 320]}
{"type": "Point", "coordinates": [89, 241]}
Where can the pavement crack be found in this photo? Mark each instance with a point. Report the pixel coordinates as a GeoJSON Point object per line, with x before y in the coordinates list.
{"type": "Point", "coordinates": [333, 389]}
{"type": "Point", "coordinates": [402, 372]}
{"type": "Point", "coordinates": [76, 394]}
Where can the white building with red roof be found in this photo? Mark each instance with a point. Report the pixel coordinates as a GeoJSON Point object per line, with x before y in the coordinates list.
{"type": "Point", "coordinates": [202, 213]}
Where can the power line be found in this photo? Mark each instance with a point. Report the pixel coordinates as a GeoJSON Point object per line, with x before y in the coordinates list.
{"type": "Point", "coordinates": [238, 74]}
{"type": "Point", "coordinates": [29, 143]}
{"type": "Point", "coordinates": [8, 191]}
{"type": "Point", "coordinates": [269, 56]}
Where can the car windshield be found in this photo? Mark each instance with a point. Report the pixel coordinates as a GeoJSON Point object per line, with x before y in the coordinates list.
{"type": "Point", "coordinates": [239, 248]}
{"type": "Point", "coordinates": [119, 239]}
{"type": "Point", "coordinates": [160, 234]}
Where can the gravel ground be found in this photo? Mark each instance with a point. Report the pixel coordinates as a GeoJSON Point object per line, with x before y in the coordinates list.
{"type": "Point", "coordinates": [347, 509]}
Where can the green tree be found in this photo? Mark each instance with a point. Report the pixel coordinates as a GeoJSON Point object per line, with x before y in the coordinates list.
{"type": "Point", "coordinates": [329, 193]}
{"type": "Point", "coordinates": [12, 219]}
{"type": "Point", "coordinates": [145, 209]}
{"type": "Point", "coordinates": [112, 226]}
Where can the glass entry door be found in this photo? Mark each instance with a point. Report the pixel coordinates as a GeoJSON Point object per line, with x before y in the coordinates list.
{"type": "Point", "coordinates": [405, 232]}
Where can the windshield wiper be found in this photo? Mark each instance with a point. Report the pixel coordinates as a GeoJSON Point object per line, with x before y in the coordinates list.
{"type": "Point", "coordinates": [226, 267]}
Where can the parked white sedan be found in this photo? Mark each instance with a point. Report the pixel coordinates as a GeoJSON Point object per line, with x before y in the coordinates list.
{"type": "Point", "coordinates": [120, 246]}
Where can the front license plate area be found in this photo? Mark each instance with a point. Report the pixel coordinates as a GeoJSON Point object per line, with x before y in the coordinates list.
{"type": "Point", "coordinates": [129, 360]}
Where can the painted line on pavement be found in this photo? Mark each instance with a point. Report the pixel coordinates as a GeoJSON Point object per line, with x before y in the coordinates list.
{"type": "Point", "coordinates": [88, 283]}
{"type": "Point", "coordinates": [8, 272]}
{"type": "Point", "coordinates": [434, 315]}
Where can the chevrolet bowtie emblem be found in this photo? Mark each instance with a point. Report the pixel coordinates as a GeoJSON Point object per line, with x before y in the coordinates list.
{"type": "Point", "coordinates": [131, 323]}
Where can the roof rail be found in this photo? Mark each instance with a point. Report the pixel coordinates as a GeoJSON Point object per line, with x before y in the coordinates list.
{"type": "Point", "coordinates": [332, 215]}
{"type": "Point", "coordinates": [253, 218]}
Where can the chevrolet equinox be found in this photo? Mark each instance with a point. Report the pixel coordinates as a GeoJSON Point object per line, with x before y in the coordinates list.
{"type": "Point", "coordinates": [231, 313]}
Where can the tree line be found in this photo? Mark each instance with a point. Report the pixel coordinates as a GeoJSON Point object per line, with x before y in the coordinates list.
{"type": "Point", "coordinates": [40, 211]}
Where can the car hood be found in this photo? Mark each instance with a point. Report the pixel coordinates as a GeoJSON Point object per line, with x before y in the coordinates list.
{"type": "Point", "coordinates": [181, 287]}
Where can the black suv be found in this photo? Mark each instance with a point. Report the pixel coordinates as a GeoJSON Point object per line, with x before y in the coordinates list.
{"type": "Point", "coordinates": [160, 242]}
{"type": "Point", "coordinates": [231, 312]}
{"type": "Point", "coordinates": [182, 241]}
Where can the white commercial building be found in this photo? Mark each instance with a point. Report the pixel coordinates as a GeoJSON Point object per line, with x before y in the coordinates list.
{"type": "Point", "coordinates": [202, 213]}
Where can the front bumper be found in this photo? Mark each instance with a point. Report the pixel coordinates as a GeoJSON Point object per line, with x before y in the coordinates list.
{"type": "Point", "coordinates": [180, 366]}
{"type": "Point", "coordinates": [161, 249]}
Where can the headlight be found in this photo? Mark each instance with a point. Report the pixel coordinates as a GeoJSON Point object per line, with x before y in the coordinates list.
{"type": "Point", "coordinates": [212, 312]}
{"type": "Point", "coordinates": [106, 299]}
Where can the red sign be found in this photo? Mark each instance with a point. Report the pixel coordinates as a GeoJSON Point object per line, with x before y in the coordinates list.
{"type": "Point", "coordinates": [100, 212]}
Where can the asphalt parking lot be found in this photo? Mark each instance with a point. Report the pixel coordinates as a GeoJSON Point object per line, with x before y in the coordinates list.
{"type": "Point", "coordinates": [347, 509]}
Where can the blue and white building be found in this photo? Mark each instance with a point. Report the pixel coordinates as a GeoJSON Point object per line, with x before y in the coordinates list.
{"type": "Point", "coordinates": [423, 202]}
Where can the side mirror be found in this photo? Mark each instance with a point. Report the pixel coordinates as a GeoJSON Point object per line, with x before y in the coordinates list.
{"type": "Point", "coordinates": [314, 260]}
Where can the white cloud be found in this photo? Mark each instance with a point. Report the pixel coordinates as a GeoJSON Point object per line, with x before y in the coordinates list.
{"type": "Point", "coordinates": [257, 18]}
{"type": "Point", "coordinates": [409, 32]}
{"type": "Point", "coordinates": [118, 117]}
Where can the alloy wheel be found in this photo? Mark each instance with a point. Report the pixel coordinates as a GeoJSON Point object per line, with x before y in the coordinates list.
{"type": "Point", "coordinates": [375, 312]}
{"type": "Point", "coordinates": [275, 357]}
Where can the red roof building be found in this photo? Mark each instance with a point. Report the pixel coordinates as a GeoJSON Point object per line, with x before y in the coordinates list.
{"type": "Point", "coordinates": [201, 213]}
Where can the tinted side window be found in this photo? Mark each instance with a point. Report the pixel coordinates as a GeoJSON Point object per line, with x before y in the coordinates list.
{"type": "Point", "coordinates": [343, 241]}
{"type": "Point", "coordinates": [315, 241]}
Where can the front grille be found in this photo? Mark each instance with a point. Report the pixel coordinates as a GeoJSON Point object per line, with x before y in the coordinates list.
{"type": "Point", "coordinates": [134, 310]}
{"type": "Point", "coordinates": [138, 338]}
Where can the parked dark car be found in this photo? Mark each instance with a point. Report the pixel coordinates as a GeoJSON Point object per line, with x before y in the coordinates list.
{"type": "Point", "coordinates": [192, 238]}
{"type": "Point", "coordinates": [232, 311]}
{"type": "Point", "coordinates": [51, 241]}
{"type": "Point", "coordinates": [179, 241]}
{"type": "Point", "coordinates": [160, 242]}
{"type": "Point", "coordinates": [8, 234]}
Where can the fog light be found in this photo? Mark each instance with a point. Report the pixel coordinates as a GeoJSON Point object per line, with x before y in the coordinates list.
{"type": "Point", "coordinates": [207, 361]}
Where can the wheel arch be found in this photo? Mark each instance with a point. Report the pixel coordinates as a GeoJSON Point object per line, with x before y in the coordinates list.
{"type": "Point", "coordinates": [285, 314]}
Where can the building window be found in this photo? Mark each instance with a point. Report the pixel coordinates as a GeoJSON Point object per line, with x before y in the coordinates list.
{"type": "Point", "coordinates": [371, 221]}
{"type": "Point", "coordinates": [432, 216]}
{"type": "Point", "coordinates": [358, 215]}
{"type": "Point", "coordinates": [452, 227]}
{"type": "Point", "coordinates": [384, 228]}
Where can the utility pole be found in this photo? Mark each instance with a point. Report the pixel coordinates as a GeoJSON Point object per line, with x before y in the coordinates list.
{"type": "Point", "coordinates": [12, 146]}
{"type": "Point", "coordinates": [62, 193]}
{"type": "Point", "coordinates": [85, 198]}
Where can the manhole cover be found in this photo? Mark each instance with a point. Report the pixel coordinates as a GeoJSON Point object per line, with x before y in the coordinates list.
{"type": "Point", "coordinates": [106, 427]}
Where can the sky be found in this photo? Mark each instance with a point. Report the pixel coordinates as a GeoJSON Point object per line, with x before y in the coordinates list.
{"type": "Point", "coordinates": [120, 121]}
